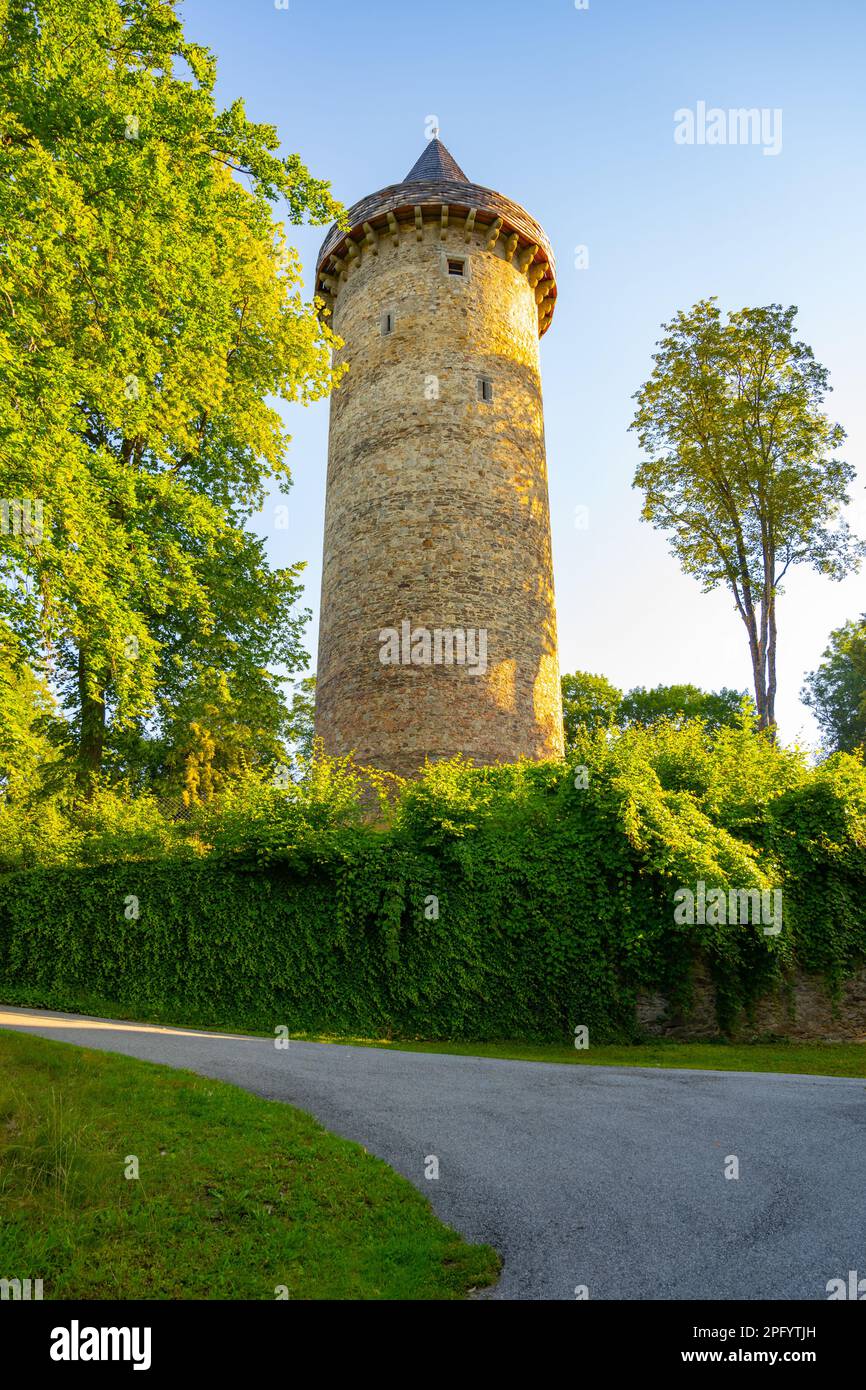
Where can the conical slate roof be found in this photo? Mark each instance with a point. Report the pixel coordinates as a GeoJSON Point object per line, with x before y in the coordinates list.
{"type": "Point", "coordinates": [435, 165]}
{"type": "Point", "coordinates": [434, 190]}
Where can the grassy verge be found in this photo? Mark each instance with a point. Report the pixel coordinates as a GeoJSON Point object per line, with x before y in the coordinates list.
{"type": "Point", "coordinates": [810, 1059]}
{"type": "Point", "coordinates": [235, 1197]}
{"type": "Point", "coordinates": [769, 1055]}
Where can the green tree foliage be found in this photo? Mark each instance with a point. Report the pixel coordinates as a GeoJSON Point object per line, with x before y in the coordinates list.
{"type": "Point", "coordinates": [302, 713]}
{"type": "Point", "coordinates": [741, 470]}
{"type": "Point", "coordinates": [27, 713]}
{"type": "Point", "coordinates": [511, 901]}
{"type": "Point", "coordinates": [591, 702]}
{"type": "Point", "coordinates": [836, 692]}
{"type": "Point", "coordinates": [588, 701]}
{"type": "Point", "coordinates": [149, 310]}
{"type": "Point", "coordinates": [678, 702]}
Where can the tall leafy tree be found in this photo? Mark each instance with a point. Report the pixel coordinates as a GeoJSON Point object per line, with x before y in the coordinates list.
{"type": "Point", "coordinates": [150, 310]}
{"type": "Point", "coordinates": [592, 702]}
{"type": "Point", "coordinates": [27, 712]}
{"type": "Point", "coordinates": [715, 708]}
{"type": "Point", "coordinates": [588, 701]}
{"type": "Point", "coordinates": [302, 713]}
{"type": "Point", "coordinates": [741, 471]}
{"type": "Point", "coordinates": [836, 691]}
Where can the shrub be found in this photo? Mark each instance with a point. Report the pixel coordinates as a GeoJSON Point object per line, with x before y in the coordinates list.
{"type": "Point", "coordinates": [511, 901]}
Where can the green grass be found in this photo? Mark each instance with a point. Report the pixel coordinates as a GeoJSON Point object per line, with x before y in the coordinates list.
{"type": "Point", "coordinates": [810, 1059]}
{"type": "Point", "coordinates": [236, 1195]}
{"type": "Point", "coordinates": [767, 1055]}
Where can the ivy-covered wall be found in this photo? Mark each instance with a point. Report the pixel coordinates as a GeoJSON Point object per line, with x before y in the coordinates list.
{"type": "Point", "coordinates": [514, 902]}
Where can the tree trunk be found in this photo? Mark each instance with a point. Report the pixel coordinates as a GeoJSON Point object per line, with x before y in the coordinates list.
{"type": "Point", "coordinates": [91, 743]}
{"type": "Point", "coordinates": [771, 668]}
{"type": "Point", "coordinates": [758, 656]}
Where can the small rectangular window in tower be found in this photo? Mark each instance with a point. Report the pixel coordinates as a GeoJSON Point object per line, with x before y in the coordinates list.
{"type": "Point", "coordinates": [485, 389]}
{"type": "Point", "coordinates": [387, 323]}
{"type": "Point", "coordinates": [456, 266]}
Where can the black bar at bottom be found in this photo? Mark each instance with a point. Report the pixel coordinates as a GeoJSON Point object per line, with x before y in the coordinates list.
{"type": "Point", "coordinates": [150, 1338]}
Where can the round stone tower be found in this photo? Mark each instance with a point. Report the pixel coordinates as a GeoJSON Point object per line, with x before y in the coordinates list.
{"type": "Point", "coordinates": [438, 626]}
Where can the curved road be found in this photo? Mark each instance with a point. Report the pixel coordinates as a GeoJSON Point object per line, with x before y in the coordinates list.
{"type": "Point", "coordinates": [604, 1177]}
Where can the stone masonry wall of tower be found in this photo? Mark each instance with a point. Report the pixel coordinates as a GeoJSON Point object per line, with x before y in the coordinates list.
{"type": "Point", "coordinates": [437, 510]}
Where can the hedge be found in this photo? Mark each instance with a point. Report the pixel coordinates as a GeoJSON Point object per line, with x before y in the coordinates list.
{"type": "Point", "coordinates": [515, 902]}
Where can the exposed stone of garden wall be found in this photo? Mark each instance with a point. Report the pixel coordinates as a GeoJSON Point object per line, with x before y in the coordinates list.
{"type": "Point", "coordinates": [801, 1009]}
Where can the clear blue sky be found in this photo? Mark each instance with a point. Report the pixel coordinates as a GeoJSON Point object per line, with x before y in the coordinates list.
{"type": "Point", "coordinates": [571, 113]}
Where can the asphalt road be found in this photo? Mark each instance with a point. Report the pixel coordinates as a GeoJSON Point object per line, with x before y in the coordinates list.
{"type": "Point", "coordinates": [603, 1177]}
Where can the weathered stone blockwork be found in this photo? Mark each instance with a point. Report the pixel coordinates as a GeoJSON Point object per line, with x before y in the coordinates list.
{"type": "Point", "coordinates": [802, 1009]}
{"type": "Point", "coordinates": [437, 505]}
